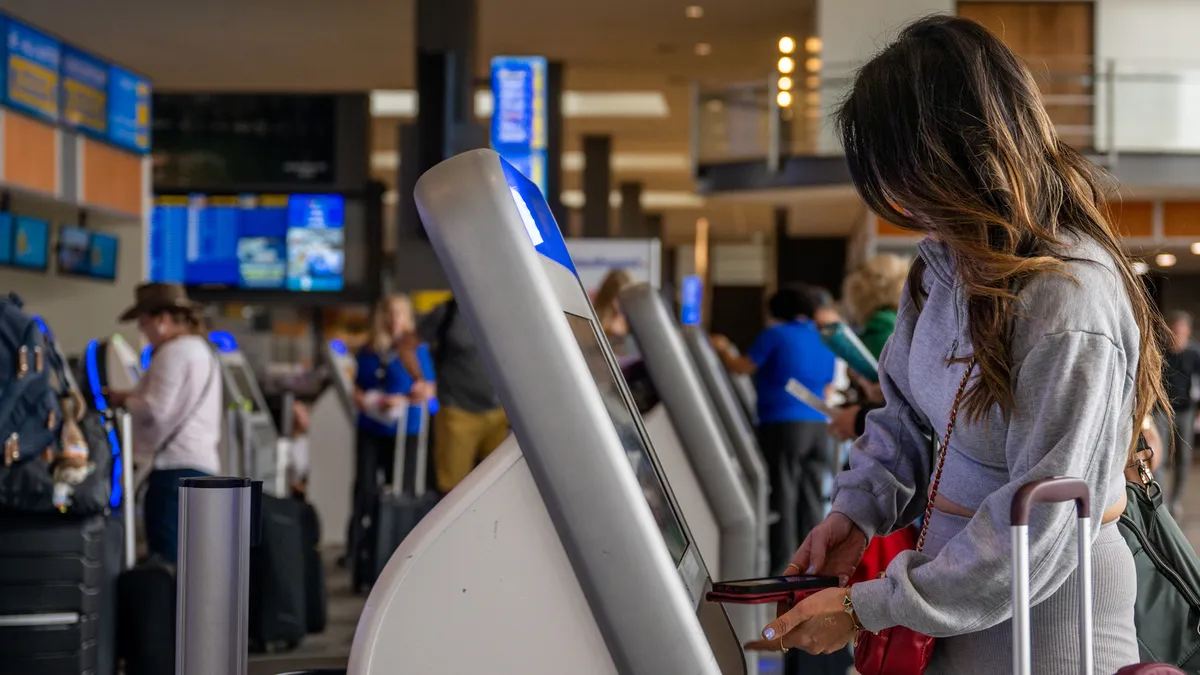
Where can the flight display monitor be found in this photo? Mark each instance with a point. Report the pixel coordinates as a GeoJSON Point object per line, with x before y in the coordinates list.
{"type": "Point", "coordinates": [6, 238]}
{"type": "Point", "coordinates": [290, 242]}
{"type": "Point", "coordinates": [87, 253]}
{"type": "Point", "coordinates": [31, 243]}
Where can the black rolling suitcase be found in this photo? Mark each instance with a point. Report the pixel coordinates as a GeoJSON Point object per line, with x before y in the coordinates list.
{"type": "Point", "coordinates": [401, 507]}
{"type": "Point", "coordinates": [57, 594]}
{"type": "Point", "coordinates": [316, 598]}
{"type": "Point", "coordinates": [278, 616]}
{"type": "Point", "coordinates": [146, 618]}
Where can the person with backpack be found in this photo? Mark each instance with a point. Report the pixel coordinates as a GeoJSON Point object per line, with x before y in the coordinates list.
{"type": "Point", "coordinates": [470, 422]}
{"type": "Point", "coordinates": [176, 407]}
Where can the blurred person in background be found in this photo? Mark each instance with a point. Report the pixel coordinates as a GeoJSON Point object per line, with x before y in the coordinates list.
{"type": "Point", "coordinates": [1181, 366]}
{"type": "Point", "coordinates": [793, 436]}
{"type": "Point", "coordinates": [470, 423]}
{"type": "Point", "coordinates": [872, 297]}
{"type": "Point", "coordinates": [176, 407]}
{"type": "Point", "coordinates": [384, 389]}
{"type": "Point", "coordinates": [608, 309]}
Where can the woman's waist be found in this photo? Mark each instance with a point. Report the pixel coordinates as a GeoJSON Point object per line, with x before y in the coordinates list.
{"type": "Point", "coordinates": [945, 505]}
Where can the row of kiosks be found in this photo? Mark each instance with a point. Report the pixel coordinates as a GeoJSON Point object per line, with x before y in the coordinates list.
{"type": "Point", "coordinates": [250, 444]}
{"type": "Point", "coordinates": [721, 483]}
{"type": "Point", "coordinates": [590, 563]}
{"type": "Point", "coordinates": [331, 441]}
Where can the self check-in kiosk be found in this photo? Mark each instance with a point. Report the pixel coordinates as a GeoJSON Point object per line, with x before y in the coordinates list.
{"type": "Point", "coordinates": [331, 443]}
{"type": "Point", "coordinates": [250, 441]}
{"type": "Point", "coordinates": [567, 552]}
{"type": "Point", "coordinates": [112, 364]}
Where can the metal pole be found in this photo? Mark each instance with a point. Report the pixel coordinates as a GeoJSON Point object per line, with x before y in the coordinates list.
{"type": "Point", "coordinates": [212, 631]}
{"type": "Point", "coordinates": [694, 136]}
{"type": "Point", "coordinates": [1085, 595]}
{"type": "Point", "coordinates": [1022, 664]}
{"type": "Point", "coordinates": [128, 488]}
{"type": "Point", "coordinates": [1110, 103]}
{"type": "Point", "coordinates": [773, 124]}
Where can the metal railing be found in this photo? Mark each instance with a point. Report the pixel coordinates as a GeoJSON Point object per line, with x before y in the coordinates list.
{"type": "Point", "coordinates": [1107, 109]}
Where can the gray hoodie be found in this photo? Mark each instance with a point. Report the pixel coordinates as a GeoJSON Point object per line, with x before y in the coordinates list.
{"type": "Point", "coordinates": [1074, 355]}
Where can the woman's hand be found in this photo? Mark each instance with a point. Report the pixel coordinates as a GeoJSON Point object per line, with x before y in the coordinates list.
{"type": "Point", "coordinates": [719, 343]}
{"type": "Point", "coordinates": [843, 421]}
{"type": "Point", "coordinates": [833, 548]}
{"type": "Point", "coordinates": [818, 624]}
{"type": "Point", "coordinates": [422, 391]}
{"type": "Point", "coordinates": [116, 399]}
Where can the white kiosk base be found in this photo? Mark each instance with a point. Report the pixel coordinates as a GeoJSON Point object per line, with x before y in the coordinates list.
{"type": "Point", "coordinates": [490, 563]}
{"type": "Point", "coordinates": [331, 461]}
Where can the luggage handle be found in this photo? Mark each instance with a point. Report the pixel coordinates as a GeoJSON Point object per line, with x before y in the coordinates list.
{"type": "Point", "coordinates": [420, 461]}
{"type": "Point", "coordinates": [1049, 491]}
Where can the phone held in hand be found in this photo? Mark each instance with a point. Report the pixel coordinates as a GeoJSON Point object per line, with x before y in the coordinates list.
{"type": "Point", "coordinates": [769, 589]}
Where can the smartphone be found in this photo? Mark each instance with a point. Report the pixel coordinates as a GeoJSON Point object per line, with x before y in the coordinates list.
{"type": "Point", "coordinates": [803, 393]}
{"type": "Point", "coordinates": [769, 589]}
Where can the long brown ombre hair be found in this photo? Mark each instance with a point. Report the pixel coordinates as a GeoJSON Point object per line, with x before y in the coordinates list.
{"type": "Point", "coordinates": [945, 134]}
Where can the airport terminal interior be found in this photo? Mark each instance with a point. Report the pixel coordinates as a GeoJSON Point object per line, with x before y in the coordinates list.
{"type": "Point", "coordinates": [495, 336]}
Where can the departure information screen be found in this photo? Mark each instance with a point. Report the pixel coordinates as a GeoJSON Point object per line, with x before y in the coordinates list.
{"type": "Point", "coordinates": [273, 242]}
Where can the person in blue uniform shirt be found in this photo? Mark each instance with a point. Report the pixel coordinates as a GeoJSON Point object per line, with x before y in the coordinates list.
{"type": "Point", "coordinates": [385, 392]}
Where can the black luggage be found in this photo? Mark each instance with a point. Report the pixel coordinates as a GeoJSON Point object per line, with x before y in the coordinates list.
{"type": "Point", "coordinates": [400, 507]}
{"type": "Point", "coordinates": [278, 616]}
{"type": "Point", "coordinates": [57, 594]}
{"type": "Point", "coordinates": [146, 618]}
{"type": "Point", "coordinates": [316, 599]}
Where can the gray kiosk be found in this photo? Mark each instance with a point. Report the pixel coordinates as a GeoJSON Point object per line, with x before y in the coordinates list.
{"type": "Point", "coordinates": [729, 493]}
{"type": "Point", "coordinates": [251, 442]}
{"type": "Point", "coordinates": [567, 552]}
{"type": "Point", "coordinates": [331, 443]}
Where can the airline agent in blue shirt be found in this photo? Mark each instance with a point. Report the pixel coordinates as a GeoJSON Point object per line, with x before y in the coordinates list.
{"type": "Point", "coordinates": [793, 437]}
{"type": "Point", "coordinates": [381, 386]}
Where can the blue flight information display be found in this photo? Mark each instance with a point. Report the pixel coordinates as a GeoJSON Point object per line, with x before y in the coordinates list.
{"type": "Point", "coordinates": [128, 110]}
{"type": "Point", "coordinates": [102, 255]}
{"type": "Point", "coordinates": [84, 91]}
{"type": "Point", "coordinates": [6, 238]}
{"type": "Point", "coordinates": [32, 62]}
{"type": "Point", "coordinates": [264, 242]}
{"type": "Point", "coordinates": [31, 243]}
{"type": "Point", "coordinates": [519, 114]}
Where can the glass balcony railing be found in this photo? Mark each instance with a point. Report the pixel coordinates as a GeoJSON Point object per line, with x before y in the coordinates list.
{"type": "Point", "coordinates": [1121, 106]}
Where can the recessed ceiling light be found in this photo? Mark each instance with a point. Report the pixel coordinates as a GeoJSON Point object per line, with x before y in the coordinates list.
{"type": "Point", "coordinates": [812, 81]}
{"type": "Point", "coordinates": [1196, 248]}
{"type": "Point", "coordinates": [812, 45]}
{"type": "Point", "coordinates": [785, 83]}
{"type": "Point", "coordinates": [813, 65]}
{"type": "Point", "coordinates": [1140, 267]}
{"type": "Point", "coordinates": [786, 65]}
{"type": "Point", "coordinates": [1165, 259]}
{"type": "Point", "coordinates": [787, 45]}
{"type": "Point", "coordinates": [715, 105]}
{"type": "Point", "coordinates": [693, 11]}
{"type": "Point", "coordinates": [703, 49]}
{"type": "Point", "coordinates": [784, 99]}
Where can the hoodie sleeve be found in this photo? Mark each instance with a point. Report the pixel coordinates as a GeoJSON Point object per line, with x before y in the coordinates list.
{"type": "Point", "coordinates": [1070, 418]}
{"type": "Point", "coordinates": [890, 466]}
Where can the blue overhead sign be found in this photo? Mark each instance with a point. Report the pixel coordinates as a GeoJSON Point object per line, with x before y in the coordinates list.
{"type": "Point", "coordinates": [32, 66]}
{"type": "Point", "coordinates": [519, 114]}
{"type": "Point", "coordinates": [692, 300]}
{"type": "Point", "coordinates": [84, 91]}
{"type": "Point", "coordinates": [128, 110]}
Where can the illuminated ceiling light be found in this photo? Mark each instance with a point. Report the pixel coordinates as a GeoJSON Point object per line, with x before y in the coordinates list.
{"type": "Point", "coordinates": [812, 64]}
{"type": "Point", "coordinates": [813, 98]}
{"type": "Point", "coordinates": [1140, 267]}
{"type": "Point", "coordinates": [715, 105]}
{"type": "Point", "coordinates": [1196, 248]}
{"type": "Point", "coordinates": [813, 82]}
{"type": "Point", "coordinates": [785, 83]}
{"type": "Point", "coordinates": [576, 104]}
{"type": "Point", "coordinates": [784, 99]}
{"type": "Point", "coordinates": [1165, 260]}
{"type": "Point", "coordinates": [703, 49]}
{"type": "Point", "coordinates": [786, 65]}
{"type": "Point", "coordinates": [812, 45]}
{"type": "Point", "coordinates": [786, 45]}
{"type": "Point", "coordinates": [693, 11]}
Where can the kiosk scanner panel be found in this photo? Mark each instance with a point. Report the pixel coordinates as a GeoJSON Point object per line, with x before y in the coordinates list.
{"type": "Point", "coordinates": [331, 432]}
{"type": "Point", "coordinates": [637, 570]}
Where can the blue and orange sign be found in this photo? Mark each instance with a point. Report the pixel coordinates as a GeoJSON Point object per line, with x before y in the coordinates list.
{"type": "Point", "coordinates": [519, 114]}
{"type": "Point", "coordinates": [84, 91]}
{"type": "Point", "coordinates": [33, 66]}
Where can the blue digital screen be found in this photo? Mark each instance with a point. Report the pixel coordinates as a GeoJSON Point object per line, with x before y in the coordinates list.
{"type": "Point", "coordinates": [84, 91]}
{"type": "Point", "coordinates": [103, 256]}
{"type": "Point", "coordinates": [128, 110]}
{"type": "Point", "coordinates": [692, 295]}
{"type": "Point", "coordinates": [73, 249]}
{"type": "Point", "coordinates": [265, 242]}
{"type": "Point", "coordinates": [31, 243]}
{"type": "Point", "coordinates": [539, 221]}
{"type": "Point", "coordinates": [6, 238]}
{"type": "Point", "coordinates": [32, 70]}
{"type": "Point", "coordinates": [518, 132]}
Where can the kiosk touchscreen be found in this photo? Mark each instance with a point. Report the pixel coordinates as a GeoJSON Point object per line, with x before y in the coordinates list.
{"type": "Point", "coordinates": [565, 550]}
{"type": "Point", "coordinates": [251, 441]}
{"type": "Point", "coordinates": [331, 443]}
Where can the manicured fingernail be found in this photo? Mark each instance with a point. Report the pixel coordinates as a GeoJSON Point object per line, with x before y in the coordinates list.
{"type": "Point", "coordinates": [769, 633]}
{"type": "Point", "coordinates": [811, 569]}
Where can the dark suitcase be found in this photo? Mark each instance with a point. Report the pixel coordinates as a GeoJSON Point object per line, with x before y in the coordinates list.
{"type": "Point", "coordinates": [146, 619]}
{"type": "Point", "coordinates": [278, 616]}
{"type": "Point", "coordinates": [405, 502]}
{"type": "Point", "coordinates": [316, 599]}
{"type": "Point", "coordinates": [57, 576]}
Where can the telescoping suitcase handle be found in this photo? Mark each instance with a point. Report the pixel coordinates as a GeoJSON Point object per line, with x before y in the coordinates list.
{"type": "Point", "coordinates": [1050, 491]}
{"type": "Point", "coordinates": [422, 454]}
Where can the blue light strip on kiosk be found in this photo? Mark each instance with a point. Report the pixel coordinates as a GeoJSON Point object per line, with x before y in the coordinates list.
{"type": "Point", "coordinates": [223, 341]}
{"type": "Point", "coordinates": [147, 353]}
{"type": "Point", "coordinates": [101, 403]}
{"type": "Point", "coordinates": [338, 347]}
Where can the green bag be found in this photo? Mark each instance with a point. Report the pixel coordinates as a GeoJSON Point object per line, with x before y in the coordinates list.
{"type": "Point", "coordinates": [1167, 614]}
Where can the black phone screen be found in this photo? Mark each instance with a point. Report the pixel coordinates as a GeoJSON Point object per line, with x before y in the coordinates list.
{"type": "Point", "coordinates": [772, 584]}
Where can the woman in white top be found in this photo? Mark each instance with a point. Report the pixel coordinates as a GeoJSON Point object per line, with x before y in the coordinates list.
{"type": "Point", "coordinates": [176, 407]}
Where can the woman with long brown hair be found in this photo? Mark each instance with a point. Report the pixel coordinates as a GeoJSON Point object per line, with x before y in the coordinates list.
{"type": "Point", "coordinates": [1022, 300]}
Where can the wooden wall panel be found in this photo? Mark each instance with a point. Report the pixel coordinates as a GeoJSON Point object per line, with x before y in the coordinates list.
{"type": "Point", "coordinates": [30, 153]}
{"type": "Point", "coordinates": [1133, 219]}
{"type": "Point", "coordinates": [1181, 219]}
{"type": "Point", "coordinates": [112, 178]}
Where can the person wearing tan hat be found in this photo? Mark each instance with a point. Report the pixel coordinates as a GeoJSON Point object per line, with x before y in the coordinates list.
{"type": "Point", "coordinates": [176, 407]}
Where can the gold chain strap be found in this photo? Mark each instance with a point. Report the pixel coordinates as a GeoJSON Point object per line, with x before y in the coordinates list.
{"type": "Point", "coordinates": [941, 460]}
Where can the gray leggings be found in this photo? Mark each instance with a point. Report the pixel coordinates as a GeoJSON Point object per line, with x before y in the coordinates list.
{"type": "Point", "coordinates": [1055, 621]}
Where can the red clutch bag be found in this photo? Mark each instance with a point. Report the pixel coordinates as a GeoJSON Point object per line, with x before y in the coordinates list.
{"type": "Point", "coordinates": [899, 650]}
